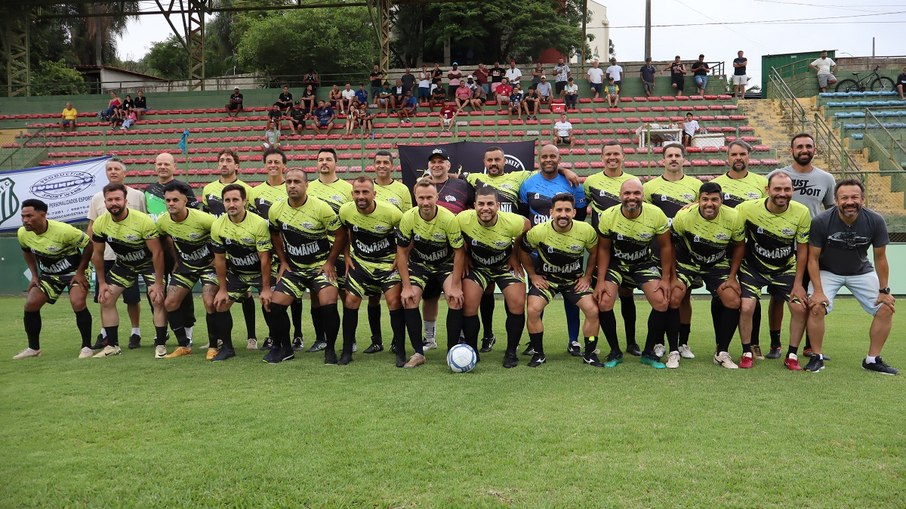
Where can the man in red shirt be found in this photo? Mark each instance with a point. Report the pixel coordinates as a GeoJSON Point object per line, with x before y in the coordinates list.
{"type": "Point", "coordinates": [447, 116]}
{"type": "Point", "coordinates": [503, 94]}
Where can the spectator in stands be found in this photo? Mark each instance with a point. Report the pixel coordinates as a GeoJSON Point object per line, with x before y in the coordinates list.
{"type": "Point", "coordinates": [130, 119]}
{"type": "Point", "coordinates": [324, 117]}
{"type": "Point", "coordinates": [455, 77]}
{"type": "Point", "coordinates": [128, 103]}
{"type": "Point", "coordinates": [347, 98]}
{"type": "Point", "coordinates": [141, 104]}
{"type": "Point", "coordinates": [377, 81]}
{"type": "Point", "coordinates": [447, 116]}
{"type": "Point", "coordinates": [513, 75]}
{"type": "Point", "coordinates": [354, 118]}
{"type": "Point", "coordinates": [596, 78]}
{"type": "Point", "coordinates": [530, 102]}
{"type": "Point", "coordinates": [361, 95]}
{"type": "Point", "coordinates": [516, 97]}
{"type": "Point", "coordinates": [407, 107]}
{"type": "Point", "coordinates": [408, 80]}
{"type": "Point", "coordinates": [537, 72]}
{"type": "Point", "coordinates": [399, 91]}
{"type": "Point", "coordinates": [285, 99]}
{"type": "Point", "coordinates": [562, 131]}
{"type": "Point", "coordinates": [271, 136]}
{"type": "Point", "coordinates": [647, 73]}
{"type": "Point", "coordinates": [479, 97]}
{"type": "Point", "coordinates": [497, 73]}
{"type": "Point", "coordinates": [117, 117]}
{"type": "Point", "coordinates": [462, 95]}
{"type": "Point", "coordinates": [312, 78]}
{"type": "Point", "coordinates": [234, 105]}
{"type": "Point", "coordinates": [437, 76]}
{"type": "Point", "coordinates": [900, 84]}
{"type": "Point", "coordinates": [613, 93]}
{"type": "Point", "coordinates": [562, 74]}
{"type": "Point", "coordinates": [690, 128]}
{"type": "Point", "coordinates": [385, 98]}
{"type": "Point", "coordinates": [615, 71]}
{"type": "Point", "coordinates": [438, 98]}
{"type": "Point", "coordinates": [112, 104]}
{"type": "Point", "coordinates": [297, 118]}
{"type": "Point", "coordinates": [739, 75]}
{"type": "Point", "coordinates": [70, 115]}
{"type": "Point", "coordinates": [570, 94]}
{"type": "Point", "coordinates": [366, 119]}
{"type": "Point", "coordinates": [424, 85]}
{"type": "Point", "coordinates": [502, 94]}
{"type": "Point", "coordinates": [700, 71]}
{"type": "Point", "coordinates": [677, 75]}
{"type": "Point", "coordinates": [482, 77]}
{"type": "Point", "coordinates": [335, 97]}
{"type": "Point", "coordinates": [309, 98]}
{"type": "Point", "coordinates": [545, 92]}
{"type": "Point", "coordinates": [825, 68]}
{"type": "Point", "coordinates": [274, 115]}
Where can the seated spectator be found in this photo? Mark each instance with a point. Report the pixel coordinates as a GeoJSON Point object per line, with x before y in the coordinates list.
{"type": "Point", "coordinates": [335, 97]}
{"type": "Point", "coordinates": [271, 136]}
{"type": "Point", "coordinates": [530, 102]}
{"type": "Point", "coordinates": [385, 98]}
{"type": "Point", "coordinates": [324, 117]}
{"type": "Point", "coordinates": [128, 103]}
{"type": "Point", "coordinates": [677, 75]}
{"type": "Point", "coordinates": [613, 93]}
{"type": "Point", "coordinates": [438, 98]}
{"type": "Point", "coordinates": [399, 91]}
{"type": "Point", "coordinates": [571, 94]}
{"type": "Point", "coordinates": [347, 98]}
{"type": "Point", "coordinates": [141, 104]}
{"type": "Point", "coordinates": [424, 85]}
{"type": "Point", "coordinates": [130, 119]}
{"type": "Point", "coordinates": [312, 78]}
{"type": "Point", "coordinates": [515, 102]}
{"type": "Point", "coordinates": [354, 118]}
{"type": "Point", "coordinates": [112, 105]}
{"type": "Point", "coordinates": [544, 91]}
{"type": "Point", "coordinates": [463, 95]}
{"type": "Point", "coordinates": [503, 93]}
{"type": "Point", "coordinates": [700, 71]}
{"type": "Point", "coordinates": [407, 107]}
{"type": "Point", "coordinates": [361, 95]}
{"type": "Point", "coordinates": [563, 131]}
{"type": "Point", "coordinates": [69, 117]}
{"type": "Point", "coordinates": [596, 78]}
{"type": "Point", "coordinates": [234, 105]}
{"type": "Point", "coordinates": [297, 118]}
{"type": "Point", "coordinates": [309, 98]}
{"type": "Point", "coordinates": [690, 127]}
{"type": "Point", "coordinates": [117, 117]}
{"type": "Point", "coordinates": [285, 99]}
{"type": "Point", "coordinates": [447, 116]}
{"type": "Point", "coordinates": [479, 97]}
{"type": "Point", "coordinates": [367, 119]}
{"type": "Point", "coordinates": [900, 84]}
{"type": "Point", "coordinates": [275, 115]}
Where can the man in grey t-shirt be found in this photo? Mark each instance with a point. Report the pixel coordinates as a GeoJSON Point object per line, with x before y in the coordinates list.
{"type": "Point", "coordinates": [838, 257]}
{"type": "Point", "coordinates": [812, 186]}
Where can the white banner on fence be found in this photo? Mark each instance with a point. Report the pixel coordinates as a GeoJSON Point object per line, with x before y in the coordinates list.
{"type": "Point", "coordinates": [65, 188]}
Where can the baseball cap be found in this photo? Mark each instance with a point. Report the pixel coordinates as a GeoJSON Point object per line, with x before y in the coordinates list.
{"type": "Point", "coordinates": [439, 152]}
{"type": "Point", "coordinates": [543, 77]}
{"type": "Point", "coordinates": [235, 88]}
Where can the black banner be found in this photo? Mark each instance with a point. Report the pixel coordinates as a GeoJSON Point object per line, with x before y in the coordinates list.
{"type": "Point", "coordinates": [465, 156]}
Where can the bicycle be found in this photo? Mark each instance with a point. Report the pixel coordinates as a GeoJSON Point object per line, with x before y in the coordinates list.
{"type": "Point", "coordinates": [861, 84]}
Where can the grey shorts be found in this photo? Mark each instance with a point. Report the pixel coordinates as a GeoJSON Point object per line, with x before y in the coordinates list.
{"type": "Point", "coordinates": [824, 79]}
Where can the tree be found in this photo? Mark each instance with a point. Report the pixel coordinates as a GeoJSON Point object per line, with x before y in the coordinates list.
{"type": "Point", "coordinates": [93, 37]}
{"type": "Point", "coordinates": [168, 59]}
{"type": "Point", "coordinates": [57, 78]}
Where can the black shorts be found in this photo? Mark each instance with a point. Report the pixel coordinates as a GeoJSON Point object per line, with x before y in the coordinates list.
{"type": "Point", "coordinates": [695, 276]}
{"type": "Point", "coordinates": [53, 285]}
{"type": "Point", "coordinates": [633, 276]}
{"type": "Point", "coordinates": [187, 278]}
{"type": "Point", "coordinates": [431, 281]}
{"type": "Point", "coordinates": [363, 282]}
{"type": "Point", "coordinates": [295, 282]}
{"type": "Point", "coordinates": [130, 296]}
{"type": "Point", "coordinates": [127, 277]}
{"type": "Point", "coordinates": [567, 290]}
{"type": "Point", "coordinates": [779, 285]}
{"type": "Point", "coordinates": [679, 81]}
{"type": "Point", "coordinates": [240, 285]}
{"type": "Point", "coordinates": [502, 277]}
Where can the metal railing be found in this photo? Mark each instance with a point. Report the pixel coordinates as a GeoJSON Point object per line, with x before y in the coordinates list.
{"type": "Point", "coordinates": [835, 154]}
{"type": "Point", "coordinates": [894, 153]}
{"type": "Point", "coordinates": [28, 153]}
{"type": "Point", "coordinates": [793, 112]}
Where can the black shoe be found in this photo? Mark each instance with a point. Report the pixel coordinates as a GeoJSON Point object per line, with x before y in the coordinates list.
{"type": "Point", "coordinates": [574, 349]}
{"type": "Point", "coordinates": [510, 360]}
{"type": "Point", "coordinates": [330, 356]}
{"type": "Point", "coordinates": [272, 356]}
{"type": "Point", "coordinates": [298, 344]}
{"type": "Point", "coordinates": [345, 358]}
{"type": "Point", "coordinates": [392, 346]}
{"type": "Point", "coordinates": [287, 355]}
{"type": "Point", "coordinates": [815, 364]}
{"type": "Point", "coordinates": [224, 354]}
{"type": "Point", "coordinates": [135, 341]}
{"type": "Point", "coordinates": [537, 360]}
{"type": "Point", "coordinates": [528, 350]}
{"type": "Point", "coordinates": [775, 353]}
{"type": "Point", "coordinates": [268, 343]}
{"type": "Point", "coordinates": [400, 360]}
{"type": "Point", "coordinates": [591, 359]}
{"type": "Point", "coordinates": [100, 343]}
{"type": "Point", "coordinates": [487, 344]}
{"type": "Point", "coordinates": [375, 348]}
{"type": "Point", "coordinates": [318, 346]}
{"type": "Point", "coordinates": [633, 349]}
{"type": "Point", "coordinates": [879, 366]}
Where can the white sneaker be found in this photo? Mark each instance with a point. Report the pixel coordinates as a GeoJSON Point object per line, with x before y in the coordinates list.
{"type": "Point", "coordinates": [673, 360]}
{"type": "Point", "coordinates": [28, 352]}
{"type": "Point", "coordinates": [429, 344]}
{"type": "Point", "coordinates": [160, 351]}
{"type": "Point", "coordinates": [86, 353]}
{"type": "Point", "coordinates": [355, 347]}
{"type": "Point", "coordinates": [108, 351]}
{"type": "Point", "coordinates": [252, 344]}
{"type": "Point", "coordinates": [686, 352]}
{"type": "Point", "coordinates": [659, 350]}
{"type": "Point", "coordinates": [724, 360]}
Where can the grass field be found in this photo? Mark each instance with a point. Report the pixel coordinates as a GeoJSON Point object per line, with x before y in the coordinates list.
{"type": "Point", "coordinates": [132, 431]}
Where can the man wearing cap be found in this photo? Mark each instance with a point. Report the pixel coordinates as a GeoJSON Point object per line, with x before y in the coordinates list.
{"type": "Point", "coordinates": [234, 106]}
{"type": "Point", "coordinates": [564, 74]}
{"type": "Point", "coordinates": [544, 90]}
{"type": "Point", "coordinates": [455, 76]}
{"type": "Point", "coordinates": [615, 72]}
{"type": "Point", "coordinates": [452, 193]}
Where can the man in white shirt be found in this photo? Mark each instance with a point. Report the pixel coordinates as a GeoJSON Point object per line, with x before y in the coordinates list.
{"type": "Point", "coordinates": [348, 95]}
{"type": "Point", "coordinates": [825, 67]}
{"type": "Point", "coordinates": [616, 72]}
{"type": "Point", "coordinates": [513, 75]}
{"type": "Point", "coordinates": [596, 78]}
{"type": "Point", "coordinates": [690, 127]}
{"type": "Point", "coordinates": [563, 73]}
{"type": "Point", "coordinates": [562, 130]}
{"type": "Point", "coordinates": [571, 94]}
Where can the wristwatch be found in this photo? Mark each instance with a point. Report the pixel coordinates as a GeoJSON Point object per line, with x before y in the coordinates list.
{"type": "Point", "coordinates": [885, 290]}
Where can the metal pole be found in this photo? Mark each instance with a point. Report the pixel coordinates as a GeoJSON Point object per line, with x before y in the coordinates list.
{"type": "Point", "coordinates": [647, 28]}
{"type": "Point", "coordinates": [584, 33]}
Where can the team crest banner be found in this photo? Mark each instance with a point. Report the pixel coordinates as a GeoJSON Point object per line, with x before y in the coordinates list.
{"type": "Point", "coordinates": [465, 157]}
{"type": "Point", "coordinates": [65, 188]}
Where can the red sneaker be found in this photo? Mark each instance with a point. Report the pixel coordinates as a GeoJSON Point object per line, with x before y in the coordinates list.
{"type": "Point", "coordinates": [746, 361]}
{"type": "Point", "coordinates": [792, 363]}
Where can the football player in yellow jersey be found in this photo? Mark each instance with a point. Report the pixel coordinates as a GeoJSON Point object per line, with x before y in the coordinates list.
{"type": "Point", "coordinates": [57, 256]}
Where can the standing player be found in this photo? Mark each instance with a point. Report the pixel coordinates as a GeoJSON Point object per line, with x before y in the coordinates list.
{"type": "Point", "coordinates": [301, 229]}
{"type": "Point", "coordinates": [430, 259]}
{"type": "Point", "coordinates": [57, 256]}
{"type": "Point", "coordinates": [492, 239]}
{"type": "Point", "coordinates": [535, 202]}
{"type": "Point", "coordinates": [560, 245]}
{"type": "Point", "coordinates": [625, 258]}
{"type": "Point", "coordinates": [837, 257]}
{"type": "Point", "coordinates": [242, 260]}
{"type": "Point", "coordinates": [777, 231]}
{"type": "Point", "coordinates": [670, 192]}
{"type": "Point", "coordinates": [602, 190]}
{"type": "Point", "coordinates": [133, 237]}
{"type": "Point", "coordinates": [370, 267]}
{"type": "Point", "coordinates": [186, 235]}
{"type": "Point", "coordinates": [706, 232]}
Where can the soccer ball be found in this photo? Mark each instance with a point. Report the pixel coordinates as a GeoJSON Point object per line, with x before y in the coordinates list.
{"type": "Point", "coordinates": [461, 358]}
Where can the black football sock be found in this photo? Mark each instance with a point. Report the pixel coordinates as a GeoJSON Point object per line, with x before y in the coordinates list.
{"type": "Point", "coordinates": [673, 329]}
{"type": "Point", "coordinates": [176, 324]}
{"type": "Point", "coordinates": [160, 335]}
{"type": "Point", "coordinates": [627, 311]}
{"type": "Point", "coordinates": [572, 320]}
{"type": "Point", "coordinates": [609, 327]}
{"type": "Point", "coordinates": [729, 322]}
{"type": "Point", "coordinates": [775, 339]}
{"type": "Point", "coordinates": [591, 344]}
{"type": "Point", "coordinates": [317, 321]}
{"type": "Point", "coordinates": [717, 309]}
{"type": "Point", "coordinates": [657, 325]}
{"type": "Point", "coordinates": [331, 328]}
{"type": "Point", "coordinates": [454, 327]}
{"type": "Point", "coordinates": [279, 327]}
{"type": "Point", "coordinates": [398, 329]}
{"type": "Point", "coordinates": [32, 321]}
{"type": "Point", "coordinates": [296, 309]}
{"type": "Point", "coordinates": [113, 335]}
{"type": "Point", "coordinates": [248, 313]}
{"type": "Point", "coordinates": [756, 323]}
{"type": "Point", "coordinates": [536, 340]}
{"type": "Point", "coordinates": [83, 322]}
{"type": "Point", "coordinates": [414, 325]}
{"type": "Point", "coordinates": [470, 326]}
{"type": "Point", "coordinates": [684, 329]}
{"type": "Point", "coordinates": [225, 326]}
{"type": "Point", "coordinates": [211, 321]}
{"type": "Point", "coordinates": [488, 302]}
{"type": "Point", "coordinates": [514, 326]}
{"type": "Point", "coordinates": [792, 350]}
{"type": "Point", "coordinates": [350, 324]}
{"type": "Point", "coordinates": [187, 311]}
{"type": "Point", "coordinates": [374, 323]}
{"type": "Point", "coordinates": [808, 342]}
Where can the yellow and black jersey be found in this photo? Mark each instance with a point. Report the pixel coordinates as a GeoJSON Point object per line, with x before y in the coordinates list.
{"type": "Point", "coordinates": [241, 242]}
{"type": "Point", "coordinates": [306, 231]}
{"type": "Point", "coordinates": [433, 241]}
{"type": "Point", "coordinates": [603, 192]}
{"type": "Point", "coordinates": [264, 196]}
{"type": "Point", "coordinates": [127, 237]}
{"type": "Point", "coordinates": [58, 250]}
{"type": "Point", "coordinates": [703, 242]}
{"type": "Point", "coordinates": [212, 196]}
{"type": "Point", "coordinates": [372, 237]}
{"type": "Point", "coordinates": [507, 186]}
{"type": "Point", "coordinates": [631, 238]}
{"type": "Point", "coordinates": [395, 193]}
{"type": "Point", "coordinates": [671, 196]}
{"type": "Point", "coordinates": [490, 246]}
{"type": "Point", "coordinates": [334, 194]}
{"type": "Point", "coordinates": [560, 254]}
{"type": "Point", "coordinates": [735, 191]}
{"type": "Point", "coordinates": [771, 238]}
{"type": "Point", "coordinates": [191, 236]}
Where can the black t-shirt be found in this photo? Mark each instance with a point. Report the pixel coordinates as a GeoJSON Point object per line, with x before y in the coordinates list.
{"type": "Point", "coordinates": [496, 74]}
{"type": "Point", "coordinates": [408, 81]}
{"type": "Point", "coordinates": [275, 115]}
{"type": "Point", "coordinates": [901, 80]}
{"type": "Point", "coordinates": [377, 79]}
{"type": "Point", "coordinates": [437, 76]}
{"type": "Point", "coordinates": [297, 115]}
{"type": "Point", "coordinates": [157, 189]}
{"type": "Point", "coordinates": [844, 249]}
{"type": "Point", "coordinates": [455, 195]}
{"type": "Point", "coordinates": [700, 68]}
{"type": "Point", "coordinates": [285, 98]}
{"type": "Point", "coordinates": [740, 71]}
{"type": "Point", "coordinates": [676, 70]}
{"type": "Point", "coordinates": [141, 102]}
{"type": "Point", "coordinates": [647, 72]}
{"type": "Point", "coordinates": [236, 98]}
{"type": "Point", "coordinates": [128, 104]}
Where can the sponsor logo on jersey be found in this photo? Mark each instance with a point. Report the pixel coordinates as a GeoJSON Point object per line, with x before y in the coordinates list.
{"type": "Point", "coordinates": [60, 267]}
{"type": "Point", "coordinates": [776, 253]}
{"type": "Point", "coordinates": [248, 260]}
{"type": "Point", "coordinates": [132, 237]}
{"type": "Point", "coordinates": [375, 247]}
{"type": "Point", "coordinates": [308, 249]}
{"type": "Point", "coordinates": [722, 236]}
{"type": "Point", "coordinates": [787, 231]}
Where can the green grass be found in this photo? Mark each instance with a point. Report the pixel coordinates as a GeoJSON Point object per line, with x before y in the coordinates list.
{"type": "Point", "coordinates": [132, 431]}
